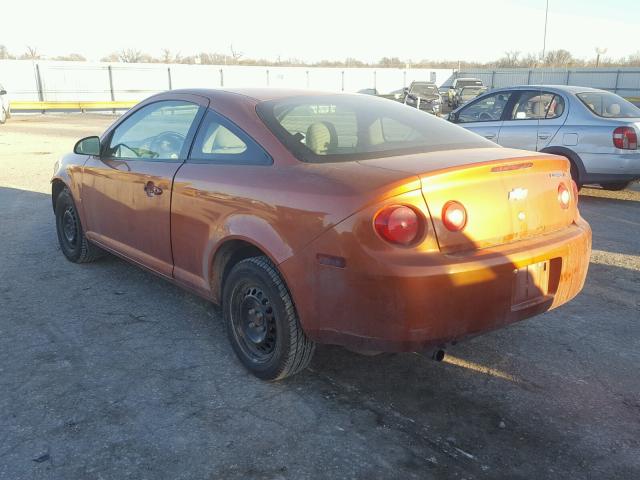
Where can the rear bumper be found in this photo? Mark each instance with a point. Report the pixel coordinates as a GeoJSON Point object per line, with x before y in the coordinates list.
{"type": "Point", "coordinates": [603, 166]}
{"type": "Point", "coordinates": [401, 304]}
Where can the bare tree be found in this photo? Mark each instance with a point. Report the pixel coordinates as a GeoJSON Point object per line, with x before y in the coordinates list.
{"type": "Point", "coordinates": [73, 57]}
{"type": "Point", "coordinates": [4, 53]}
{"type": "Point", "coordinates": [510, 59]}
{"type": "Point", "coordinates": [559, 58]}
{"type": "Point", "coordinates": [31, 54]}
{"type": "Point", "coordinates": [235, 54]}
{"type": "Point", "coordinates": [131, 55]}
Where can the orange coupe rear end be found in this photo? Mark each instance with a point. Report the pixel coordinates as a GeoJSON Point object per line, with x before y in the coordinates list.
{"type": "Point", "coordinates": [342, 219]}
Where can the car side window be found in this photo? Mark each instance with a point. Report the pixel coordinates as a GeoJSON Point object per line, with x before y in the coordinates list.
{"type": "Point", "coordinates": [487, 109]}
{"type": "Point", "coordinates": [220, 141]}
{"type": "Point", "coordinates": [155, 132]}
{"type": "Point", "coordinates": [535, 105]}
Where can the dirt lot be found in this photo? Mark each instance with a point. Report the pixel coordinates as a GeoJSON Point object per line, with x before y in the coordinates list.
{"type": "Point", "coordinates": [109, 372]}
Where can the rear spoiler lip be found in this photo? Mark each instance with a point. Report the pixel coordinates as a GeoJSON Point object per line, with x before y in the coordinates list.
{"type": "Point", "coordinates": [520, 162]}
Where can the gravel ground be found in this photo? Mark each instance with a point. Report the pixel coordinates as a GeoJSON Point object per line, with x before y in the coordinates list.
{"type": "Point", "coordinates": [109, 372]}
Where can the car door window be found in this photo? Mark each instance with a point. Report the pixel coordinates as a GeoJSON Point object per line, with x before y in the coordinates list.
{"type": "Point", "coordinates": [537, 105]}
{"type": "Point", "coordinates": [155, 132]}
{"type": "Point", "coordinates": [487, 109]}
{"type": "Point", "coordinates": [220, 141]}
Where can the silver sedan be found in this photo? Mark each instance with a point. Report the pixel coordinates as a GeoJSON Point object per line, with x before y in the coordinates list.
{"type": "Point", "coordinates": [595, 129]}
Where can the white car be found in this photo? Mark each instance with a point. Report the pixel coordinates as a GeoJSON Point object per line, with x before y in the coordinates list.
{"type": "Point", "coordinates": [5, 109]}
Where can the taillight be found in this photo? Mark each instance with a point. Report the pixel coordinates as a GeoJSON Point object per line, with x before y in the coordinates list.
{"type": "Point", "coordinates": [574, 189]}
{"type": "Point", "coordinates": [454, 216]}
{"type": "Point", "coordinates": [564, 196]}
{"type": "Point", "coordinates": [398, 224]}
{"type": "Point", "coordinates": [625, 138]}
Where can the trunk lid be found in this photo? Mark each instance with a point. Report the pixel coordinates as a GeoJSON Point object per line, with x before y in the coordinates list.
{"type": "Point", "coordinates": [509, 195]}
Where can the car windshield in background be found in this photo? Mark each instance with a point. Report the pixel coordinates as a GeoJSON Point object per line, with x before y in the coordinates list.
{"type": "Point", "coordinates": [424, 89]}
{"type": "Point", "coordinates": [609, 105]}
{"type": "Point", "coordinates": [468, 83]}
{"type": "Point", "coordinates": [335, 128]}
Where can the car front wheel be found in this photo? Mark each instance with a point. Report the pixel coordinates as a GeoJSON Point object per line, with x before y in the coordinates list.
{"type": "Point", "coordinates": [73, 242]}
{"type": "Point", "coordinates": [261, 321]}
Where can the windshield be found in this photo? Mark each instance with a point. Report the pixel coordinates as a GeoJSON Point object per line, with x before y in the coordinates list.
{"type": "Point", "coordinates": [336, 128]}
{"type": "Point", "coordinates": [424, 89]}
{"type": "Point", "coordinates": [468, 83]}
{"type": "Point", "coordinates": [609, 105]}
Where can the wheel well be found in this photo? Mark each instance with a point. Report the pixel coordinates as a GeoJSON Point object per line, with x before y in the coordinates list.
{"type": "Point", "coordinates": [228, 254]}
{"type": "Point", "coordinates": [56, 188]}
{"type": "Point", "coordinates": [573, 157]}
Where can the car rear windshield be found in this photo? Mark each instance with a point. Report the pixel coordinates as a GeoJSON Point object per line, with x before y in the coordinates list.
{"type": "Point", "coordinates": [342, 127]}
{"type": "Point", "coordinates": [468, 83]}
{"type": "Point", "coordinates": [609, 105]}
{"type": "Point", "coordinates": [424, 89]}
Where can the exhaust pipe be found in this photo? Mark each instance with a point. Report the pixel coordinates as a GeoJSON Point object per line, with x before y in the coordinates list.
{"type": "Point", "coordinates": [438, 355]}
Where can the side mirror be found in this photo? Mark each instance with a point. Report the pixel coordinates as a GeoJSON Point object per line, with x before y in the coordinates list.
{"type": "Point", "coordinates": [3, 92]}
{"type": "Point", "coordinates": [453, 117]}
{"type": "Point", "coordinates": [88, 146]}
{"type": "Point", "coordinates": [405, 90]}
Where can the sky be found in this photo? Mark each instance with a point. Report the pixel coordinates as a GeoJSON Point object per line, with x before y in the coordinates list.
{"type": "Point", "coordinates": [478, 30]}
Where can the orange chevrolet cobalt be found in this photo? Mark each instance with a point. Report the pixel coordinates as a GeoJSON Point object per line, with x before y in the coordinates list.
{"type": "Point", "coordinates": [325, 218]}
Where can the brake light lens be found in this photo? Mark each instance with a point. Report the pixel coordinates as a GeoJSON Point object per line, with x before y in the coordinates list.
{"type": "Point", "coordinates": [564, 196]}
{"type": "Point", "coordinates": [625, 138]}
{"type": "Point", "coordinates": [574, 189]}
{"type": "Point", "coordinates": [454, 216]}
{"type": "Point", "coordinates": [398, 224]}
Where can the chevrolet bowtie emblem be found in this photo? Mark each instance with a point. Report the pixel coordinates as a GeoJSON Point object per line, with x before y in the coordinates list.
{"type": "Point", "coordinates": [518, 194]}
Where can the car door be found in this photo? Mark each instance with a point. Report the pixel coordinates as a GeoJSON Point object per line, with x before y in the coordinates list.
{"type": "Point", "coordinates": [484, 115]}
{"type": "Point", "coordinates": [218, 179]}
{"type": "Point", "coordinates": [126, 192]}
{"type": "Point", "coordinates": [555, 116]}
{"type": "Point", "coordinates": [525, 116]}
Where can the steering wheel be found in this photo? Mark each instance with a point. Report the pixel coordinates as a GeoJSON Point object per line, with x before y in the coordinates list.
{"type": "Point", "coordinates": [485, 116]}
{"type": "Point", "coordinates": [167, 144]}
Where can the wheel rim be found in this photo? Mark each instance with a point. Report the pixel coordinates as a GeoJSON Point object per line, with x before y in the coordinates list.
{"type": "Point", "coordinates": [70, 226]}
{"type": "Point", "coordinates": [254, 324]}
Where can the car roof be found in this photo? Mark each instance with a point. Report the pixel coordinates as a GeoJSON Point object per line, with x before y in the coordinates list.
{"type": "Point", "coordinates": [257, 94]}
{"type": "Point", "coordinates": [556, 88]}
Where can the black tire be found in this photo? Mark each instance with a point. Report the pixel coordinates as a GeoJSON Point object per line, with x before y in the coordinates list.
{"type": "Point", "coordinates": [71, 237]}
{"type": "Point", "coordinates": [261, 321]}
{"type": "Point", "coordinates": [616, 186]}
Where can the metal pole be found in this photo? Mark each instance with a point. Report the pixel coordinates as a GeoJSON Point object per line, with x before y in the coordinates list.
{"type": "Point", "coordinates": [375, 80]}
{"type": "Point", "coordinates": [169, 78]}
{"type": "Point", "coordinates": [493, 78]}
{"type": "Point", "coordinates": [39, 85]}
{"type": "Point", "coordinates": [404, 79]}
{"type": "Point", "coordinates": [529, 78]}
{"type": "Point", "coordinates": [568, 75]}
{"type": "Point", "coordinates": [307, 74]}
{"type": "Point", "coordinates": [221, 78]}
{"type": "Point", "coordinates": [342, 81]}
{"type": "Point", "coordinates": [267, 78]}
{"type": "Point", "coordinates": [615, 89]}
{"type": "Point", "coordinates": [113, 96]}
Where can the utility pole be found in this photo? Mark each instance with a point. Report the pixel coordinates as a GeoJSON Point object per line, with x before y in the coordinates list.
{"type": "Point", "coordinates": [599, 51]}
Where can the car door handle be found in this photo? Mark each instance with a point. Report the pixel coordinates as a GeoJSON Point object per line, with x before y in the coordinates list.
{"type": "Point", "coordinates": [543, 136]}
{"type": "Point", "coordinates": [151, 189]}
{"type": "Point", "coordinates": [490, 136]}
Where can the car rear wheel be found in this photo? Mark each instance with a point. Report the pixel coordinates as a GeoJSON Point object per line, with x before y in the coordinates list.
{"type": "Point", "coordinates": [615, 186]}
{"type": "Point", "coordinates": [261, 321]}
{"type": "Point", "coordinates": [73, 242]}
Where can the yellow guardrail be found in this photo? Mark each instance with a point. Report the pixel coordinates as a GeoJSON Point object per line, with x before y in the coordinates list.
{"type": "Point", "coordinates": [65, 105]}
